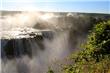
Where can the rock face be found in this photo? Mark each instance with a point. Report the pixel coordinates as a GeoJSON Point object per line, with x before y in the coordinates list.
{"type": "Point", "coordinates": [25, 41]}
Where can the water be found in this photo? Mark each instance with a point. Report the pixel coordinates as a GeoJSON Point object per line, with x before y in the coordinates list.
{"type": "Point", "coordinates": [31, 42]}
{"type": "Point", "coordinates": [33, 54]}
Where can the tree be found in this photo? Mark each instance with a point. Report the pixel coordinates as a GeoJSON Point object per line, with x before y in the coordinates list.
{"type": "Point", "coordinates": [95, 57]}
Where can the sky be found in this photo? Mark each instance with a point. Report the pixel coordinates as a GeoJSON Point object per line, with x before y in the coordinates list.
{"type": "Point", "coordinates": [89, 6]}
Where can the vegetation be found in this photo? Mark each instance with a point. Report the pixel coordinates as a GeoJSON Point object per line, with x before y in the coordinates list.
{"type": "Point", "coordinates": [50, 70]}
{"type": "Point", "coordinates": [95, 57]}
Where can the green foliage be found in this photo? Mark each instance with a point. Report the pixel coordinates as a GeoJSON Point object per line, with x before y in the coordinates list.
{"type": "Point", "coordinates": [50, 71]}
{"type": "Point", "coordinates": [95, 56]}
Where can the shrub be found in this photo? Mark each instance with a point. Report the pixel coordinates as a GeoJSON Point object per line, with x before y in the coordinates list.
{"type": "Point", "coordinates": [95, 56]}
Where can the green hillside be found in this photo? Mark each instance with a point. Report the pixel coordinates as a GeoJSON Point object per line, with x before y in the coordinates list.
{"type": "Point", "coordinates": [95, 57]}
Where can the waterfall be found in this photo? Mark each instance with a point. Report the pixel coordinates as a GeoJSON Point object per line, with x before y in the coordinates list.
{"type": "Point", "coordinates": [34, 52]}
{"type": "Point", "coordinates": [33, 41]}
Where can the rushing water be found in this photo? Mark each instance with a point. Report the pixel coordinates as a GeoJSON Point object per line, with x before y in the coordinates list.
{"type": "Point", "coordinates": [33, 54]}
{"type": "Point", "coordinates": [28, 47]}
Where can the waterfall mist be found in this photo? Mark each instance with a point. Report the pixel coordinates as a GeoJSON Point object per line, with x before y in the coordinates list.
{"type": "Point", "coordinates": [34, 55]}
{"type": "Point", "coordinates": [55, 49]}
